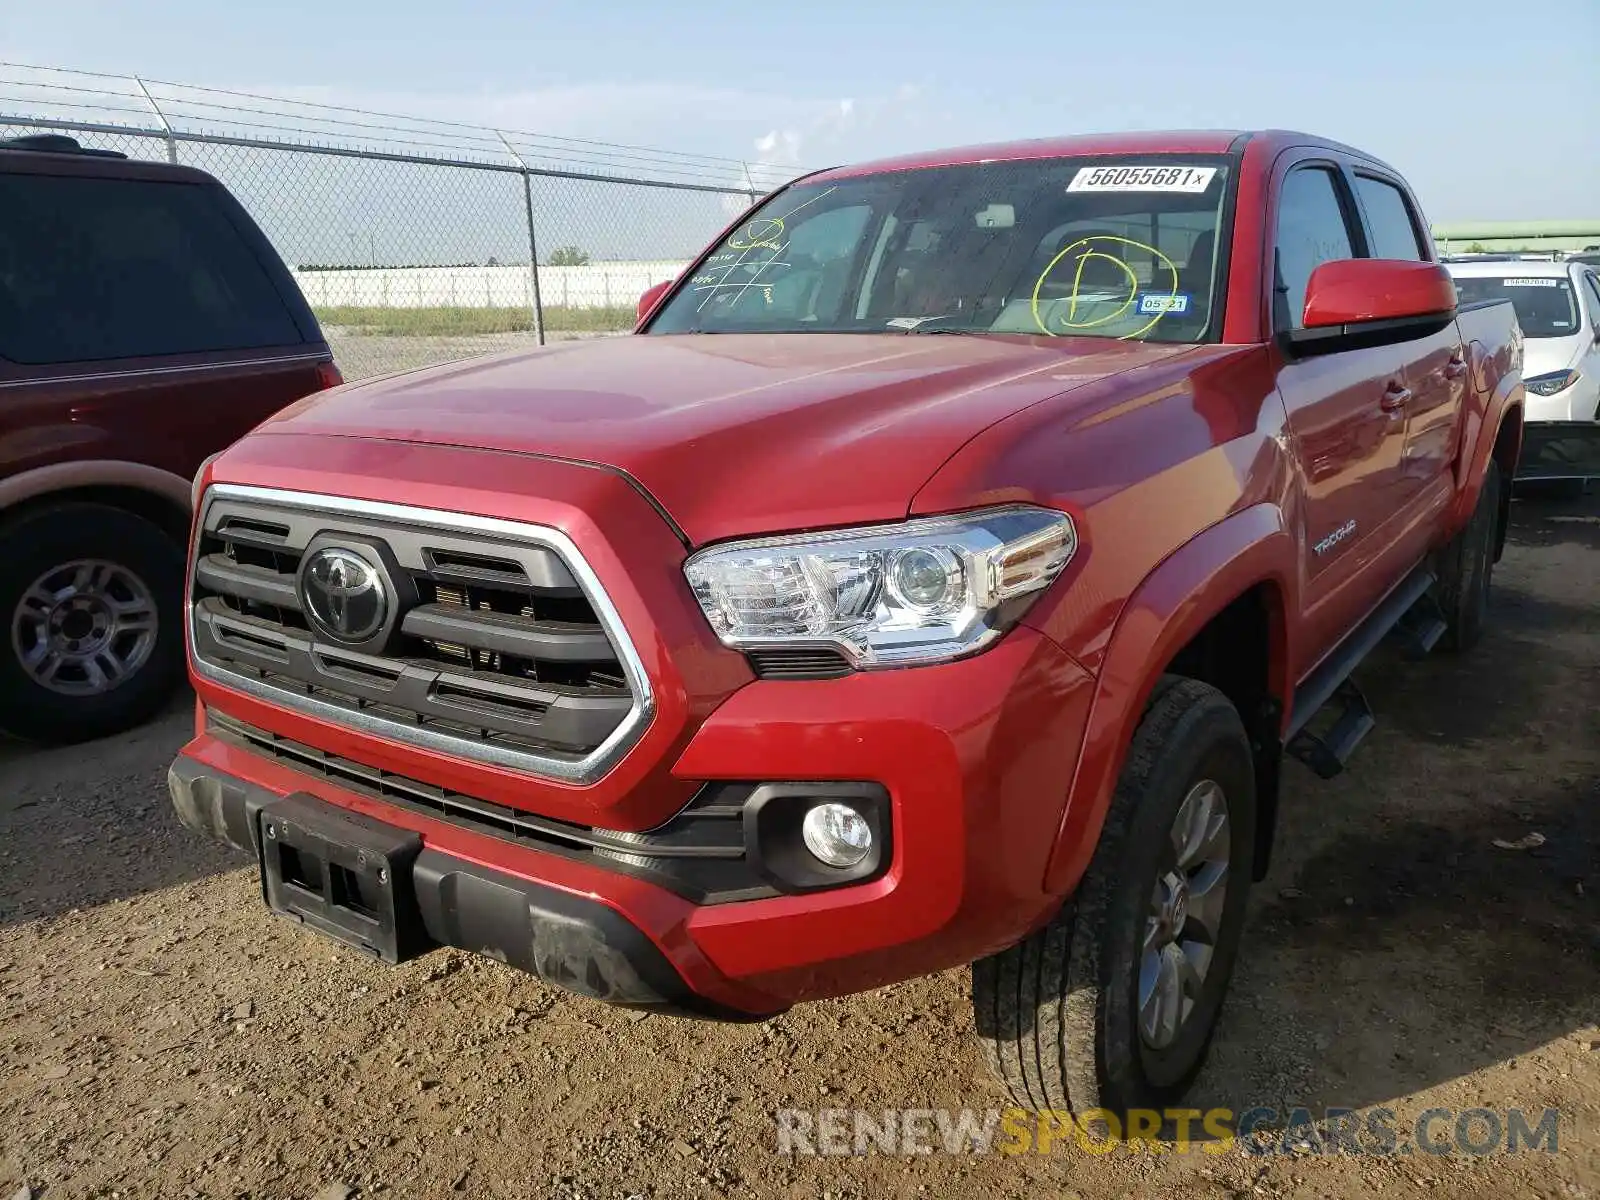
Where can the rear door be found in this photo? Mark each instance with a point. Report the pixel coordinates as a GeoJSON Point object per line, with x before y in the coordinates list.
{"type": "Point", "coordinates": [1347, 430]}
{"type": "Point", "coordinates": [1434, 376]}
{"type": "Point", "coordinates": [142, 317]}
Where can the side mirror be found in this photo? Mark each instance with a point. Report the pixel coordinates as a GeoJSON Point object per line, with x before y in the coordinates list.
{"type": "Point", "coordinates": [1356, 302]}
{"type": "Point", "coordinates": [652, 295]}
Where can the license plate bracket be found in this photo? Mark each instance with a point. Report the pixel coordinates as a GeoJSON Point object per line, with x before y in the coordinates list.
{"type": "Point", "coordinates": [342, 874]}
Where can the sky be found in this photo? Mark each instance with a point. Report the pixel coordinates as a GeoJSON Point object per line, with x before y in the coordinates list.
{"type": "Point", "coordinates": [1491, 110]}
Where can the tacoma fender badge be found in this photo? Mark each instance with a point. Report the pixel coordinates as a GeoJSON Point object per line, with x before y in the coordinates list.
{"type": "Point", "coordinates": [1334, 538]}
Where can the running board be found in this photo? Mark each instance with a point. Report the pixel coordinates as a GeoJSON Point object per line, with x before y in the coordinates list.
{"type": "Point", "coordinates": [1420, 629]}
{"type": "Point", "coordinates": [1327, 751]}
{"type": "Point", "coordinates": [1408, 612]}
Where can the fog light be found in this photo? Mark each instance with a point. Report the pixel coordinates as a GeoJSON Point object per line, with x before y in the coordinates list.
{"type": "Point", "coordinates": [837, 834]}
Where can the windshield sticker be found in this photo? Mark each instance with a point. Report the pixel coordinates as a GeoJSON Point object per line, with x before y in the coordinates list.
{"type": "Point", "coordinates": [1162, 303]}
{"type": "Point", "coordinates": [1533, 283]}
{"type": "Point", "coordinates": [1102, 254]}
{"type": "Point", "coordinates": [1142, 179]}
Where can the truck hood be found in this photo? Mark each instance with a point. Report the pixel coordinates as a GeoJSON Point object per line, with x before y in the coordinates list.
{"type": "Point", "coordinates": [732, 434]}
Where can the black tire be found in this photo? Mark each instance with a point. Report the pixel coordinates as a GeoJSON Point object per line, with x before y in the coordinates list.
{"type": "Point", "coordinates": [1466, 569]}
{"type": "Point", "coordinates": [49, 538]}
{"type": "Point", "coordinates": [1058, 1013]}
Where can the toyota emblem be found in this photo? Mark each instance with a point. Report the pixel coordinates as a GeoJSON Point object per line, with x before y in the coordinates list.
{"type": "Point", "coordinates": [343, 594]}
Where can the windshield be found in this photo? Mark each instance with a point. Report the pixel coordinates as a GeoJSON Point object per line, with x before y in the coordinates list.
{"type": "Point", "coordinates": [1080, 247]}
{"type": "Point", "coordinates": [1543, 303]}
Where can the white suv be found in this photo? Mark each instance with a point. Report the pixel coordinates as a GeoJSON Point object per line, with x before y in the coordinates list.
{"type": "Point", "coordinates": [1558, 307]}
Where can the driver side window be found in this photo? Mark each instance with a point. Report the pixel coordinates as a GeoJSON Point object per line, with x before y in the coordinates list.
{"type": "Point", "coordinates": [1312, 230]}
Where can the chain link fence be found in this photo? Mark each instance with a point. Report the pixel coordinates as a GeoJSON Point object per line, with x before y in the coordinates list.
{"type": "Point", "coordinates": [417, 241]}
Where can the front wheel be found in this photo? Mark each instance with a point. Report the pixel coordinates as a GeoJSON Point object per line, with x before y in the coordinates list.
{"type": "Point", "coordinates": [91, 599]}
{"type": "Point", "coordinates": [1113, 1004]}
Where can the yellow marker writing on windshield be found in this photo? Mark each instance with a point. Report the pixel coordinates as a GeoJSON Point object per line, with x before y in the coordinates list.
{"type": "Point", "coordinates": [766, 232]}
{"type": "Point", "coordinates": [1069, 321]}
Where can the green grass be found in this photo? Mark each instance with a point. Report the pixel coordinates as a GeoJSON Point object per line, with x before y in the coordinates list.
{"type": "Point", "coordinates": [445, 322]}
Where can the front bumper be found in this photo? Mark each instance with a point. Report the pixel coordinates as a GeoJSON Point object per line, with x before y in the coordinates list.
{"type": "Point", "coordinates": [976, 757]}
{"type": "Point", "coordinates": [570, 940]}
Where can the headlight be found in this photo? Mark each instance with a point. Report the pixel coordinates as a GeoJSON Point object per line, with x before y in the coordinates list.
{"type": "Point", "coordinates": [1549, 385]}
{"type": "Point", "coordinates": [918, 592]}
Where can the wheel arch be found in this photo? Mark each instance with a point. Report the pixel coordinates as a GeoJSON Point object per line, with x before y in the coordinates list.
{"type": "Point", "coordinates": [158, 496]}
{"type": "Point", "coordinates": [1492, 432]}
{"type": "Point", "coordinates": [1506, 452]}
{"type": "Point", "coordinates": [1231, 588]}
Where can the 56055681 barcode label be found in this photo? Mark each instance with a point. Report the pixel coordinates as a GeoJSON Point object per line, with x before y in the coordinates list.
{"type": "Point", "coordinates": [1142, 179]}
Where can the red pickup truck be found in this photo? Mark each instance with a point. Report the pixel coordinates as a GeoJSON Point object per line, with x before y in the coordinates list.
{"type": "Point", "coordinates": [939, 574]}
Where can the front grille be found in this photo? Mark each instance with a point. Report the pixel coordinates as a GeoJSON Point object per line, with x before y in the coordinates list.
{"type": "Point", "coordinates": [700, 853]}
{"type": "Point", "coordinates": [504, 649]}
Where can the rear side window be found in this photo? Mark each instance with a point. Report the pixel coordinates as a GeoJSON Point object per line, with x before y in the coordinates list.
{"type": "Point", "coordinates": [94, 269]}
{"type": "Point", "coordinates": [1311, 231]}
{"type": "Point", "coordinates": [1393, 233]}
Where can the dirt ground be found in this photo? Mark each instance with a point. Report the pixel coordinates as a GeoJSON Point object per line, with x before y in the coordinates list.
{"type": "Point", "coordinates": [162, 1036]}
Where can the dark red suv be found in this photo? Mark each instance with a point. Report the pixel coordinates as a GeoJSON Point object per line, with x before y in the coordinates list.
{"type": "Point", "coordinates": [145, 324]}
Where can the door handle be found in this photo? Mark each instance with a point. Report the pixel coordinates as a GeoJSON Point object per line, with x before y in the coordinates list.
{"type": "Point", "coordinates": [1395, 397]}
{"type": "Point", "coordinates": [1455, 368]}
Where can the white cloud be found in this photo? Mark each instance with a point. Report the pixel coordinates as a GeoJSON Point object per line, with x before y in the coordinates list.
{"type": "Point", "coordinates": [840, 131]}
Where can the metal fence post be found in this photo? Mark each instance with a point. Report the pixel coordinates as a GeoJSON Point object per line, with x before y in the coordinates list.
{"type": "Point", "coordinates": [533, 241]}
{"type": "Point", "coordinates": [166, 126]}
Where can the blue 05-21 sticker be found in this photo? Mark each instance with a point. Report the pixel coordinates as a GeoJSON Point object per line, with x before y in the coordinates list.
{"type": "Point", "coordinates": [1163, 303]}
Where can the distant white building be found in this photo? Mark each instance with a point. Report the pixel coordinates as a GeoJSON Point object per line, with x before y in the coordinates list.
{"type": "Point", "coordinates": [594, 285]}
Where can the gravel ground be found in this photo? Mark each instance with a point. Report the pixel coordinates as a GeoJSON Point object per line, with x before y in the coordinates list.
{"type": "Point", "coordinates": [162, 1036]}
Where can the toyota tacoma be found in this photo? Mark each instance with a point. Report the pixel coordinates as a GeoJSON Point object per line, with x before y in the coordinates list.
{"type": "Point", "coordinates": [939, 574]}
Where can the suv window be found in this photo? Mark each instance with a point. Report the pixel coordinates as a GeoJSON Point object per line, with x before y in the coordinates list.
{"type": "Point", "coordinates": [1311, 231]}
{"type": "Point", "coordinates": [100, 268]}
{"type": "Point", "coordinates": [1393, 232]}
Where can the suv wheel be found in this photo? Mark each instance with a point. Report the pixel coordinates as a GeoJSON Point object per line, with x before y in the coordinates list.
{"type": "Point", "coordinates": [1466, 568]}
{"type": "Point", "coordinates": [91, 602]}
{"type": "Point", "coordinates": [1114, 1003]}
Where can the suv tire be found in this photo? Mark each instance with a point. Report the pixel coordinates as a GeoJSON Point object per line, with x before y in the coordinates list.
{"type": "Point", "coordinates": [91, 639]}
{"type": "Point", "coordinates": [1060, 1014]}
{"type": "Point", "coordinates": [1466, 569]}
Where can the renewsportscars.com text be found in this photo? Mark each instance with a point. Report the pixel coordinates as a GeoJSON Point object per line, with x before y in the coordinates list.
{"type": "Point", "coordinates": [1261, 1131]}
